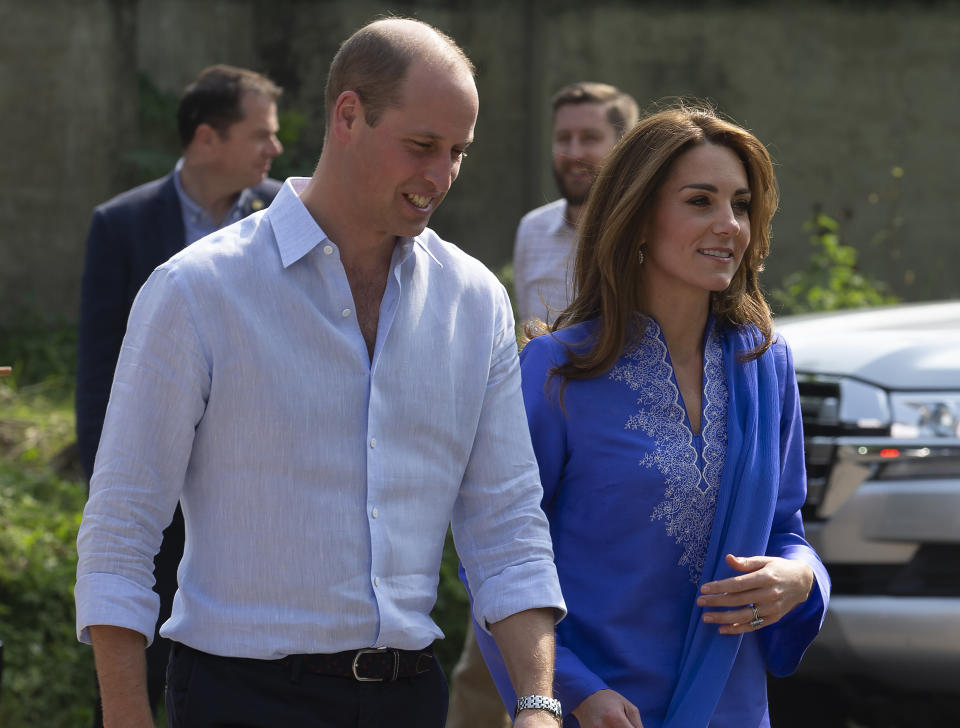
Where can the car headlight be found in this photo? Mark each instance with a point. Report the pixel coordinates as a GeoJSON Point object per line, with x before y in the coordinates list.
{"type": "Point", "coordinates": [925, 414]}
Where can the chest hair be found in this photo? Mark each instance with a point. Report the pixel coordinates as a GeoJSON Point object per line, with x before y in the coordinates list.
{"type": "Point", "coordinates": [367, 285]}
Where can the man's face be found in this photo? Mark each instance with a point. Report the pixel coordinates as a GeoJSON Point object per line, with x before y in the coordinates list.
{"type": "Point", "coordinates": [582, 138]}
{"type": "Point", "coordinates": [243, 154]}
{"type": "Point", "coordinates": [403, 167]}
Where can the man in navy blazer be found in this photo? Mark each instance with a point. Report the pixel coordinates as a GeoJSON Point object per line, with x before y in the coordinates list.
{"type": "Point", "coordinates": [227, 121]}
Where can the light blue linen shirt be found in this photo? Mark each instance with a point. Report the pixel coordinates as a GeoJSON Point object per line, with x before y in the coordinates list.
{"type": "Point", "coordinates": [316, 485]}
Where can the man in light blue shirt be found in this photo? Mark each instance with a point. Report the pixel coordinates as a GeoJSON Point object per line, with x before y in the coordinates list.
{"type": "Point", "coordinates": [324, 386]}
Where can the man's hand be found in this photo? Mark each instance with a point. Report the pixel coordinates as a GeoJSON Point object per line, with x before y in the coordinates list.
{"type": "Point", "coordinates": [769, 588]}
{"type": "Point", "coordinates": [607, 709]}
{"type": "Point", "coordinates": [122, 673]}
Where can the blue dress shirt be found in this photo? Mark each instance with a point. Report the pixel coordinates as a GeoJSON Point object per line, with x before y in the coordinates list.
{"type": "Point", "coordinates": [316, 485]}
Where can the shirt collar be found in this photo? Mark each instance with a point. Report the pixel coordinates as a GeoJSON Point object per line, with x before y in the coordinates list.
{"type": "Point", "coordinates": [194, 213]}
{"type": "Point", "coordinates": [297, 233]}
{"type": "Point", "coordinates": [560, 224]}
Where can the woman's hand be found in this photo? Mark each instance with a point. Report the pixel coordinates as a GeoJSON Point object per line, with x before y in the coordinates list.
{"type": "Point", "coordinates": [768, 588]}
{"type": "Point", "coordinates": [607, 709]}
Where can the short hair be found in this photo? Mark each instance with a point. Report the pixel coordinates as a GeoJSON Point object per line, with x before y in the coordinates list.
{"type": "Point", "coordinates": [621, 108]}
{"type": "Point", "coordinates": [618, 211]}
{"type": "Point", "coordinates": [373, 62]}
{"type": "Point", "coordinates": [215, 98]}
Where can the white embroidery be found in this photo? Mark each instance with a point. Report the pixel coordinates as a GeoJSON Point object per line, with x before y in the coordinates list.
{"type": "Point", "coordinates": [690, 495]}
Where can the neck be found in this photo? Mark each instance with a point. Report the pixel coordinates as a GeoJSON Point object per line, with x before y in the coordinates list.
{"type": "Point", "coordinates": [572, 214]}
{"type": "Point", "coordinates": [681, 316]}
{"type": "Point", "coordinates": [329, 204]}
{"type": "Point", "coordinates": [207, 190]}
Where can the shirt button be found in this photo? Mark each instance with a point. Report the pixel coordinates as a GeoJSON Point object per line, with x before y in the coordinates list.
{"type": "Point", "coordinates": [373, 442]}
{"type": "Point", "coordinates": [345, 312]}
{"type": "Point", "coordinates": [328, 250]}
{"type": "Point", "coordinates": [375, 513]}
{"type": "Point", "coordinates": [376, 581]}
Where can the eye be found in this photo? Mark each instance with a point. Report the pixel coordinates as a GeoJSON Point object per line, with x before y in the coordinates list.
{"type": "Point", "coordinates": [741, 206]}
{"type": "Point", "coordinates": [699, 201]}
{"type": "Point", "coordinates": [458, 154]}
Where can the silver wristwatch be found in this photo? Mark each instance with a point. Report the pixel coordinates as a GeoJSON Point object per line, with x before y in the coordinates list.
{"type": "Point", "coordinates": [539, 702]}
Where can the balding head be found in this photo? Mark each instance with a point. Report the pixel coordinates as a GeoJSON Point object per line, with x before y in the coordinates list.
{"type": "Point", "coordinates": [374, 61]}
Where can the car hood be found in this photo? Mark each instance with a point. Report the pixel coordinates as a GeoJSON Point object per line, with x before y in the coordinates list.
{"type": "Point", "coordinates": [913, 346]}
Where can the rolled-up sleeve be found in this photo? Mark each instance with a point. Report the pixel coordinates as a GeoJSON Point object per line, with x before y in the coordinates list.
{"type": "Point", "coordinates": [500, 530]}
{"type": "Point", "coordinates": [158, 397]}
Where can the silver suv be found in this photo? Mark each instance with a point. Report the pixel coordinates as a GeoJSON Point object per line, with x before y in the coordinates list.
{"type": "Point", "coordinates": [880, 395]}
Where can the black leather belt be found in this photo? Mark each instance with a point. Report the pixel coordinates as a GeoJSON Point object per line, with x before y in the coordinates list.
{"type": "Point", "coordinates": [367, 665]}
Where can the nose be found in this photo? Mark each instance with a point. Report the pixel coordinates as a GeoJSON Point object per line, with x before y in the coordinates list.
{"type": "Point", "coordinates": [726, 223]}
{"type": "Point", "coordinates": [275, 148]}
{"type": "Point", "coordinates": [441, 173]}
{"type": "Point", "coordinates": [573, 149]}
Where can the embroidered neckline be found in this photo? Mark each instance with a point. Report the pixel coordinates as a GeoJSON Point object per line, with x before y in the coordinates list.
{"type": "Point", "coordinates": [690, 494]}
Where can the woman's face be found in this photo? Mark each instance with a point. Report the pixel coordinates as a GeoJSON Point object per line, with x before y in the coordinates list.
{"type": "Point", "coordinates": [700, 227]}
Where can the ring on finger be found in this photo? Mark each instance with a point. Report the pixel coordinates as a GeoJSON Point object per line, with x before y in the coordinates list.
{"type": "Point", "coordinates": [757, 620]}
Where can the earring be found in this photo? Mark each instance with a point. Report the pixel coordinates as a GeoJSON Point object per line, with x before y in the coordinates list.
{"type": "Point", "coordinates": [640, 256]}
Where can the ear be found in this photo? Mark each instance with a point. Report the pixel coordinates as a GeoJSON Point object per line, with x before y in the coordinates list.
{"type": "Point", "coordinates": [347, 114]}
{"type": "Point", "coordinates": [204, 135]}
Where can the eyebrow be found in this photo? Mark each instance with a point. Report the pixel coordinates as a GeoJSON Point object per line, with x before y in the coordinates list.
{"type": "Point", "coordinates": [712, 188]}
{"type": "Point", "coordinates": [433, 136]}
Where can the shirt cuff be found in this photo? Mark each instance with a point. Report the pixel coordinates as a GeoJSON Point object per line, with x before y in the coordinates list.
{"type": "Point", "coordinates": [532, 585]}
{"type": "Point", "coordinates": [116, 601]}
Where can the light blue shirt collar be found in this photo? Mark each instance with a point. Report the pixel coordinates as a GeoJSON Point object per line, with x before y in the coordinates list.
{"type": "Point", "coordinates": [297, 232]}
{"type": "Point", "coordinates": [197, 222]}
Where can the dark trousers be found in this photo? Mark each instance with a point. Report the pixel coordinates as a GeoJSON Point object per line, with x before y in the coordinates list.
{"type": "Point", "coordinates": [165, 573]}
{"type": "Point", "coordinates": [205, 690]}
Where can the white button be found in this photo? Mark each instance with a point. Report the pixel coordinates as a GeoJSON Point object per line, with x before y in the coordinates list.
{"type": "Point", "coordinates": [375, 513]}
{"type": "Point", "coordinates": [373, 442]}
{"type": "Point", "coordinates": [328, 250]}
{"type": "Point", "coordinates": [345, 312]}
{"type": "Point", "coordinates": [376, 581]}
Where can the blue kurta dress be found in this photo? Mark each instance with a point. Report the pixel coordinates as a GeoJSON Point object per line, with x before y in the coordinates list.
{"type": "Point", "coordinates": [642, 512]}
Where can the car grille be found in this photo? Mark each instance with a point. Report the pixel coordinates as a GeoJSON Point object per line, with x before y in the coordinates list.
{"type": "Point", "coordinates": [820, 410]}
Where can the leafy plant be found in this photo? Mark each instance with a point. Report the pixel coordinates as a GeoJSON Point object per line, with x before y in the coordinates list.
{"type": "Point", "coordinates": [40, 351]}
{"type": "Point", "coordinates": [831, 280]}
{"type": "Point", "coordinates": [48, 678]}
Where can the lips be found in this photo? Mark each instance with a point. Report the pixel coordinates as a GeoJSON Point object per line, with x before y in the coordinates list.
{"type": "Point", "coordinates": [718, 253]}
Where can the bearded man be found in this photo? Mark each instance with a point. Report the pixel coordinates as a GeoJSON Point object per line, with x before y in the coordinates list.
{"type": "Point", "coordinates": [588, 120]}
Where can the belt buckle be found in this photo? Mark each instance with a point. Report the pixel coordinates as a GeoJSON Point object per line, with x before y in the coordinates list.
{"type": "Point", "coordinates": [374, 651]}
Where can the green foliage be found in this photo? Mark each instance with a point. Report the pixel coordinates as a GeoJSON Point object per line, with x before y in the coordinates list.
{"type": "Point", "coordinates": [831, 280]}
{"type": "Point", "coordinates": [159, 146]}
{"type": "Point", "coordinates": [299, 156]}
{"type": "Point", "coordinates": [48, 676]}
{"type": "Point", "coordinates": [40, 351]}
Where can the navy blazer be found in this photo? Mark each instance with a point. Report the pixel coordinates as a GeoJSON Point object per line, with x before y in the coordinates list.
{"type": "Point", "coordinates": [130, 235]}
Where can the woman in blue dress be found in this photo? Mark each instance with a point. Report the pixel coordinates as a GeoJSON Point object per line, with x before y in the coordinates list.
{"type": "Point", "coordinates": [666, 422]}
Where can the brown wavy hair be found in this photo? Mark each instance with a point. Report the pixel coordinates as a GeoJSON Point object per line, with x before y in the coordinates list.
{"type": "Point", "coordinates": [619, 208]}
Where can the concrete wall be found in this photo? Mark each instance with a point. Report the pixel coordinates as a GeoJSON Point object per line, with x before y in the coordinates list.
{"type": "Point", "coordinates": [841, 93]}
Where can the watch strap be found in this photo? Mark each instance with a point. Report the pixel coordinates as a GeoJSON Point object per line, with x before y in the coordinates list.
{"type": "Point", "coordinates": [539, 702]}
